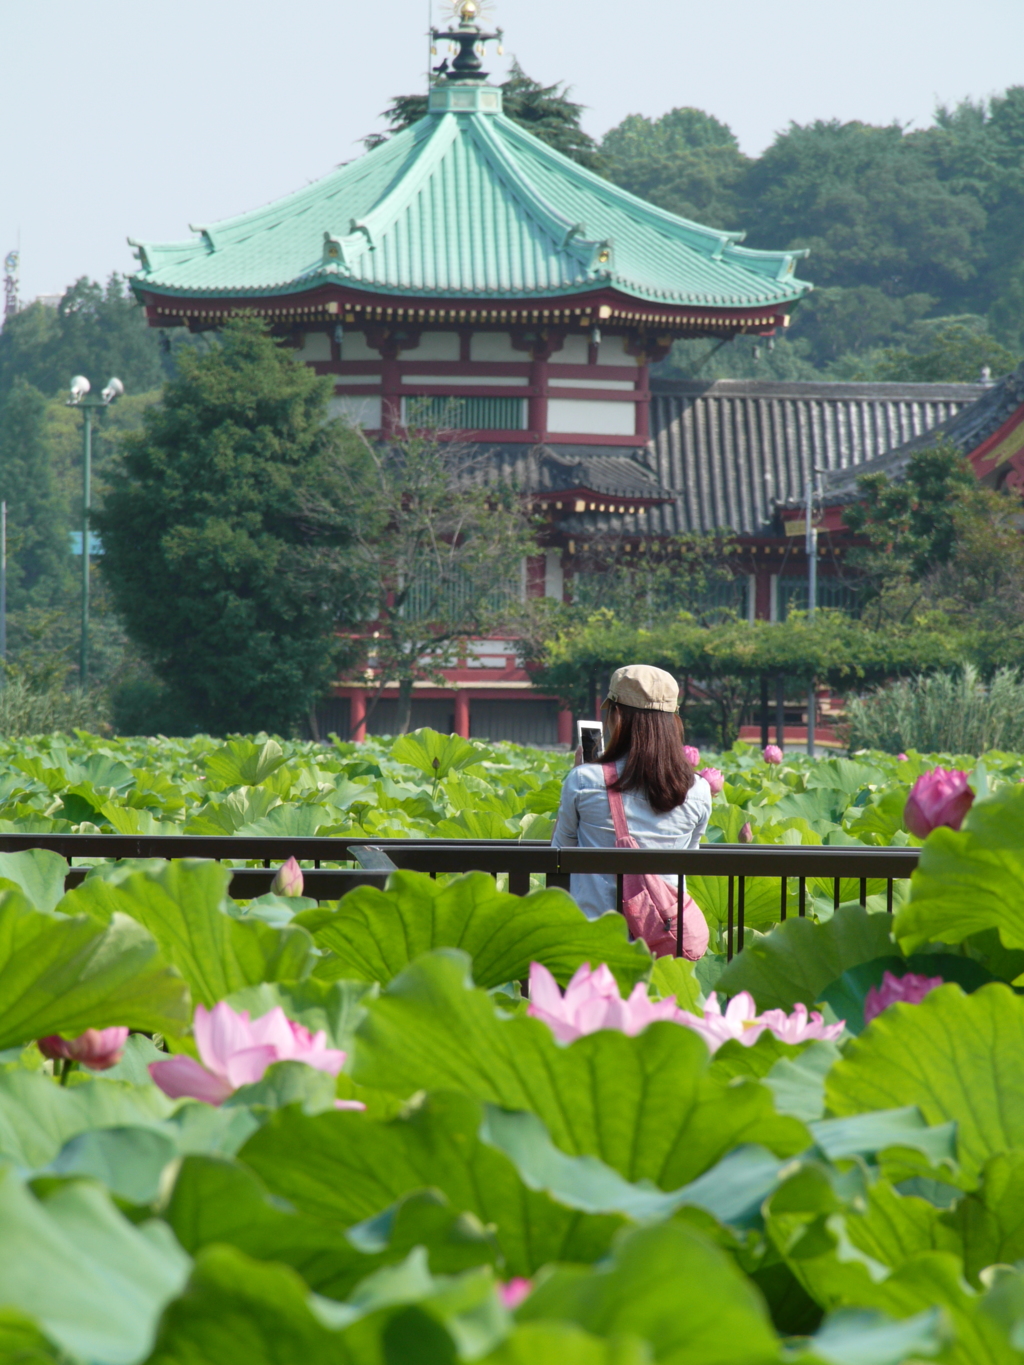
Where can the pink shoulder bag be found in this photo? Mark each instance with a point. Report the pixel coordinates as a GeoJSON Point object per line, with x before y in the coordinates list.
{"type": "Point", "coordinates": [648, 902]}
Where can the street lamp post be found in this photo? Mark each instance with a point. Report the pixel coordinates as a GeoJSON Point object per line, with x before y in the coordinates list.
{"type": "Point", "coordinates": [80, 387]}
{"type": "Point", "coordinates": [812, 602]}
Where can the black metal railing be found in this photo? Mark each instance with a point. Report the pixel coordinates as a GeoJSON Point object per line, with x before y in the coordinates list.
{"type": "Point", "coordinates": [851, 872]}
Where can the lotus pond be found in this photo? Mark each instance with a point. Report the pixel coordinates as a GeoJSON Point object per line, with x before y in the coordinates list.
{"type": "Point", "coordinates": [285, 1132]}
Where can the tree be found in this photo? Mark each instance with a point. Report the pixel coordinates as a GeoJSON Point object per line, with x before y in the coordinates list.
{"type": "Point", "coordinates": [726, 660]}
{"type": "Point", "coordinates": [940, 542]}
{"type": "Point", "coordinates": [544, 110]}
{"type": "Point", "coordinates": [870, 205]}
{"type": "Point", "coordinates": [911, 525]}
{"type": "Point", "coordinates": [958, 352]}
{"type": "Point", "coordinates": [38, 518]}
{"type": "Point", "coordinates": [93, 331]}
{"type": "Point", "coordinates": [445, 552]}
{"type": "Point", "coordinates": [42, 630]}
{"type": "Point", "coordinates": [229, 589]}
{"type": "Point", "coordinates": [686, 162]}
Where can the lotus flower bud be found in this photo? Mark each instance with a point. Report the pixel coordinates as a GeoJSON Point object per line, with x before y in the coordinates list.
{"type": "Point", "coordinates": [910, 989]}
{"type": "Point", "coordinates": [901, 758]}
{"type": "Point", "coordinates": [941, 797]}
{"type": "Point", "coordinates": [772, 753]}
{"type": "Point", "coordinates": [515, 1291]}
{"type": "Point", "coordinates": [746, 834]}
{"type": "Point", "coordinates": [691, 755]}
{"type": "Point", "coordinates": [98, 1049]}
{"type": "Point", "coordinates": [714, 779]}
{"type": "Point", "coordinates": [288, 881]}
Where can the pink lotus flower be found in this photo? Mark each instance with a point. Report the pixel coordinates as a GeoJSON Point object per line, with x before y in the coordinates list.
{"type": "Point", "coordinates": [941, 797]}
{"type": "Point", "coordinates": [910, 989]}
{"type": "Point", "coordinates": [747, 834]}
{"type": "Point", "coordinates": [591, 1002]}
{"type": "Point", "coordinates": [901, 758]}
{"type": "Point", "coordinates": [739, 1021]}
{"type": "Point", "coordinates": [714, 779]}
{"type": "Point", "coordinates": [515, 1291]}
{"type": "Point", "coordinates": [800, 1027]}
{"type": "Point", "coordinates": [772, 753]}
{"type": "Point", "coordinates": [97, 1048]}
{"type": "Point", "coordinates": [691, 755]}
{"type": "Point", "coordinates": [237, 1052]}
{"type": "Point", "coordinates": [742, 1023]}
{"type": "Point", "coordinates": [288, 881]}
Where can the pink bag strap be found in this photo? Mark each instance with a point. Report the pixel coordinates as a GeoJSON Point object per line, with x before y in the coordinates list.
{"type": "Point", "coordinates": [611, 776]}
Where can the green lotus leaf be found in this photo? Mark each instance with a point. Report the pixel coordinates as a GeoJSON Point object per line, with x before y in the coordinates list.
{"type": "Point", "coordinates": [557, 1343]}
{"type": "Point", "coordinates": [242, 763]}
{"type": "Point", "coordinates": [66, 973]}
{"type": "Point", "coordinates": [857, 1337]}
{"type": "Point", "coordinates": [95, 1283]}
{"type": "Point", "coordinates": [343, 1168]}
{"type": "Point", "coordinates": [848, 994]}
{"type": "Point", "coordinates": [760, 905]}
{"type": "Point", "coordinates": [990, 1221]}
{"type": "Point", "coordinates": [334, 1006]}
{"type": "Point", "coordinates": [221, 1201]}
{"type": "Point", "coordinates": [37, 1116]}
{"type": "Point", "coordinates": [670, 1287]}
{"type": "Point", "coordinates": [434, 754]}
{"type": "Point", "coordinates": [798, 959]}
{"type": "Point", "coordinates": [955, 1056]}
{"type": "Point", "coordinates": [970, 879]}
{"type": "Point", "coordinates": [376, 934]}
{"type": "Point", "coordinates": [38, 873]}
{"type": "Point", "coordinates": [181, 903]}
{"type": "Point", "coordinates": [647, 1105]}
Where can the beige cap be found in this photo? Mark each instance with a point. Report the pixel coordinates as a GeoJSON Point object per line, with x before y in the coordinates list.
{"type": "Point", "coordinates": [646, 688]}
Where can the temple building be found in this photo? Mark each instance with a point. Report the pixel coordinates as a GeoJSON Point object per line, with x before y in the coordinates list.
{"type": "Point", "coordinates": [465, 268]}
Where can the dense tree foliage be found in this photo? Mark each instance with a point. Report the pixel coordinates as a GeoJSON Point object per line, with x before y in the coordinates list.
{"type": "Point", "coordinates": [685, 161]}
{"type": "Point", "coordinates": [940, 542]}
{"type": "Point", "coordinates": [231, 591]}
{"type": "Point", "coordinates": [901, 225]}
{"type": "Point", "coordinates": [94, 331]}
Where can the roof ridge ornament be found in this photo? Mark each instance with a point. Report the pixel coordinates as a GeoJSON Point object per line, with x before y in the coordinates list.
{"type": "Point", "coordinates": [469, 40]}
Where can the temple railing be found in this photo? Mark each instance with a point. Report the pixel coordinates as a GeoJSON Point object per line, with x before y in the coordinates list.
{"type": "Point", "coordinates": [803, 872]}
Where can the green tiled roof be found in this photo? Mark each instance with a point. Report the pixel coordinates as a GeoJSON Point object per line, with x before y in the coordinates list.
{"type": "Point", "coordinates": [468, 205]}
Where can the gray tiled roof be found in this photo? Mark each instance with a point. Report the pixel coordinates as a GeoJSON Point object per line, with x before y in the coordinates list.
{"type": "Point", "coordinates": [967, 429]}
{"type": "Point", "coordinates": [554, 468]}
{"type": "Point", "coordinates": [728, 453]}
{"type": "Point", "coordinates": [734, 449]}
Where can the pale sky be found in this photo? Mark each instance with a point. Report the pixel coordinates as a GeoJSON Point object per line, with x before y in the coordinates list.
{"type": "Point", "coordinates": [135, 119]}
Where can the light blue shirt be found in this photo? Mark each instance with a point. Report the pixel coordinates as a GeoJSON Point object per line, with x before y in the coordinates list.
{"type": "Point", "coordinates": [585, 821]}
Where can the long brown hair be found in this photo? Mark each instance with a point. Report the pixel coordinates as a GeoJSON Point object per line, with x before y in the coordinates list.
{"type": "Point", "coordinates": [652, 744]}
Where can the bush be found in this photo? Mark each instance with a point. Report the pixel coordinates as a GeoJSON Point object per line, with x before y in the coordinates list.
{"type": "Point", "coordinates": [142, 705]}
{"type": "Point", "coordinates": [946, 712]}
{"type": "Point", "coordinates": [25, 710]}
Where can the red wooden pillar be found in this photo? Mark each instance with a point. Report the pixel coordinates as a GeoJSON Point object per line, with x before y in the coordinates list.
{"type": "Point", "coordinates": [357, 717]}
{"type": "Point", "coordinates": [462, 713]}
{"type": "Point", "coordinates": [565, 732]}
{"type": "Point", "coordinates": [537, 419]}
{"type": "Point", "coordinates": [643, 419]}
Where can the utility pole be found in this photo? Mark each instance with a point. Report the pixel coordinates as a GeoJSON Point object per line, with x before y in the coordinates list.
{"type": "Point", "coordinates": [811, 545]}
{"type": "Point", "coordinates": [11, 284]}
{"type": "Point", "coordinates": [80, 387]}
